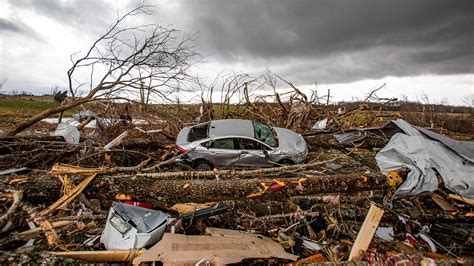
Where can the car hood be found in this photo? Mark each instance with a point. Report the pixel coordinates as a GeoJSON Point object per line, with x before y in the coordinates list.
{"type": "Point", "coordinates": [289, 140]}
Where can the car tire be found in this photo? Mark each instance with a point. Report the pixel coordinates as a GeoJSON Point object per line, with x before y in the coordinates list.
{"type": "Point", "coordinates": [286, 162]}
{"type": "Point", "coordinates": [203, 165]}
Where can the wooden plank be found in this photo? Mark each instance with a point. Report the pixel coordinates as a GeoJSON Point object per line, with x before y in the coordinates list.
{"type": "Point", "coordinates": [366, 232]}
{"type": "Point", "coordinates": [102, 255]}
{"type": "Point", "coordinates": [442, 203]}
{"type": "Point", "coordinates": [457, 197]}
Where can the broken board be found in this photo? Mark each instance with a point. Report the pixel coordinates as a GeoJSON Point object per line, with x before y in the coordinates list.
{"type": "Point", "coordinates": [366, 232]}
{"type": "Point", "coordinates": [222, 247]}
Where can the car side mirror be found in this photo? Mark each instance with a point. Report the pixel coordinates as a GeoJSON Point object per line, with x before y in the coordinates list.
{"type": "Point", "coordinates": [265, 152]}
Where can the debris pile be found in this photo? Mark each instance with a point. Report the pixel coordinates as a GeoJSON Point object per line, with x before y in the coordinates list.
{"type": "Point", "coordinates": [386, 192]}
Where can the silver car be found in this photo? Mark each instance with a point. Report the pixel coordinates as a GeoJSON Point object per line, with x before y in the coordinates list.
{"type": "Point", "coordinates": [238, 143]}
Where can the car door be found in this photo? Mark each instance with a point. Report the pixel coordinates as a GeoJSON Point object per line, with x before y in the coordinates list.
{"type": "Point", "coordinates": [222, 152]}
{"type": "Point", "coordinates": [252, 153]}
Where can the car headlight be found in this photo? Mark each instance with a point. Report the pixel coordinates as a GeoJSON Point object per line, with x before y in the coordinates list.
{"type": "Point", "coordinates": [119, 224]}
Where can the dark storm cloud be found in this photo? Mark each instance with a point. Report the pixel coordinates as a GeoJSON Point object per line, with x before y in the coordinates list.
{"type": "Point", "coordinates": [380, 38]}
{"type": "Point", "coordinates": [328, 41]}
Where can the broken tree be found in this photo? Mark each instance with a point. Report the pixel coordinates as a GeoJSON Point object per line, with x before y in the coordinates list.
{"type": "Point", "coordinates": [48, 188]}
{"type": "Point", "coordinates": [156, 60]}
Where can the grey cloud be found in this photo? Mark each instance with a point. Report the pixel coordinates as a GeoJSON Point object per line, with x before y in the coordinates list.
{"type": "Point", "coordinates": [407, 37]}
{"type": "Point", "coordinates": [328, 41]}
{"type": "Point", "coordinates": [7, 25]}
{"type": "Point", "coordinates": [14, 26]}
{"type": "Point", "coordinates": [88, 16]}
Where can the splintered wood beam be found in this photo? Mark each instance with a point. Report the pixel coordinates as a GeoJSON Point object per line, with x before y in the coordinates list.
{"type": "Point", "coordinates": [102, 255]}
{"type": "Point", "coordinates": [366, 232]}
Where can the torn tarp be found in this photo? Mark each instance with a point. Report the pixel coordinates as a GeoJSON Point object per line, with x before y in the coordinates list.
{"type": "Point", "coordinates": [422, 153]}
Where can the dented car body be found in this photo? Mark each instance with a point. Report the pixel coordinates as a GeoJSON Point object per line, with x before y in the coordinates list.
{"type": "Point", "coordinates": [239, 143]}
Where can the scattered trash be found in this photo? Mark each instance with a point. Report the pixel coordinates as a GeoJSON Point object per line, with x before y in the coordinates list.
{"type": "Point", "coordinates": [13, 170]}
{"type": "Point", "coordinates": [385, 233]}
{"type": "Point", "coordinates": [333, 200]}
{"type": "Point", "coordinates": [321, 124]}
{"type": "Point", "coordinates": [115, 141]}
{"type": "Point", "coordinates": [205, 212]}
{"type": "Point", "coordinates": [151, 131]}
{"type": "Point", "coordinates": [311, 244]}
{"type": "Point", "coordinates": [68, 132]}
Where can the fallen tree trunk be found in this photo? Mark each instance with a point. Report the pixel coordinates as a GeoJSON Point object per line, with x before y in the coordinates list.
{"type": "Point", "coordinates": [60, 169]}
{"type": "Point", "coordinates": [47, 188]}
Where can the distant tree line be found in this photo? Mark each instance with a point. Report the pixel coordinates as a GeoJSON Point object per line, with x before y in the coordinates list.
{"type": "Point", "coordinates": [411, 106]}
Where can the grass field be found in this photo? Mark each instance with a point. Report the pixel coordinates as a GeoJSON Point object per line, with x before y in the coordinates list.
{"type": "Point", "coordinates": [26, 104]}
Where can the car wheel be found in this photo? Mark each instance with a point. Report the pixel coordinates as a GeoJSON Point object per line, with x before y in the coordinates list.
{"type": "Point", "coordinates": [203, 165]}
{"type": "Point", "coordinates": [286, 162]}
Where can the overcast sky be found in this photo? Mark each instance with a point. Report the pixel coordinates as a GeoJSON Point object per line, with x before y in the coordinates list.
{"type": "Point", "coordinates": [416, 47]}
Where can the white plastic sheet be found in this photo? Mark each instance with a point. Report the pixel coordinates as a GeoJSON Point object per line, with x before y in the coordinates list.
{"type": "Point", "coordinates": [68, 132]}
{"type": "Point", "coordinates": [321, 124]}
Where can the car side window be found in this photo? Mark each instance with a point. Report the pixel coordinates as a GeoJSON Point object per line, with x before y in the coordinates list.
{"type": "Point", "coordinates": [248, 144]}
{"type": "Point", "coordinates": [205, 144]}
{"type": "Point", "coordinates": [227, 144]}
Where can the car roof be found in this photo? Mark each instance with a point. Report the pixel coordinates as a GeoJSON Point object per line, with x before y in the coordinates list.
{"type": "Point", "coordinates": [231, 127]}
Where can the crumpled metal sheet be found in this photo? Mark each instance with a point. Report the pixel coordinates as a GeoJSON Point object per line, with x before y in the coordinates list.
{"type": "Point", "coordinates": [463, 148]}
{"type": "Point", "coordinates": [422, 156]}
{"type": "Point", "coordinates": [348, 138]}
{"type": "Point", "coordinates": [355, 135]}
{"type": "Point", "coordinates": [101, 123]}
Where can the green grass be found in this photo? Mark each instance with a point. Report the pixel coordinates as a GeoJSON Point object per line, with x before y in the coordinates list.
{"type": "Point", "coordinates": [27, 105]}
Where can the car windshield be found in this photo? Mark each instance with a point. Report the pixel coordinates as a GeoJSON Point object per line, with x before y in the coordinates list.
{"type": "Point", "coordinates": [265, 134]}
